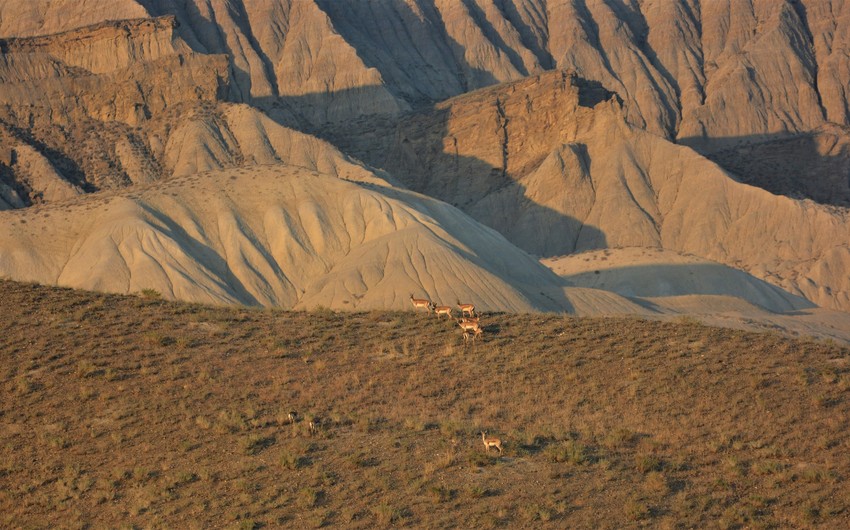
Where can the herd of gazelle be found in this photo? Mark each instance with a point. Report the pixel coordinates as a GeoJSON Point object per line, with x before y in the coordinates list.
{"type": "Point", "coordinates": [469, 324]}
{"type": "Point", "coordinates": [471, 329]}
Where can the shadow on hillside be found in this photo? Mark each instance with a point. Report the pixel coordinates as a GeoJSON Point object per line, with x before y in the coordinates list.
{"type": "Point", "coordinates": [701, 279]}
{"type": "Point", "coordinates": [204, 255]}
{"type": "Point", "coordinates": [417, 150]}
{"type": "Point", "coordinates": [813, 165]}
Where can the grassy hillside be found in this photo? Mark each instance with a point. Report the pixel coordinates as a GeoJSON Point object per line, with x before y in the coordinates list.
{"type": "Point", "coordinates": [126, 411]}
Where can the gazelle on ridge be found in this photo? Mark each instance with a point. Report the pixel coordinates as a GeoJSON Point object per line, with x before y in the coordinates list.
{"type": "Point", "coordinates": [421, 303]}
{"type": "Point", "coordinates": [443, 310]}
{"type": "Point", "coordinates": [466, 309]}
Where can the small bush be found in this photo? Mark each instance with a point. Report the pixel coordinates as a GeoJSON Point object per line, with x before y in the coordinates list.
{"type": "Point", "coordinates": [619, 437]}
{"type": "Point", "coordinates": [441, 493]}
{"type": "Point", "coordinates": [637, 510]}
{"type": "Point", "coordinates": [387, 514]}
{"type": "Point", "coordinates": [290, 460]}
{"type": "Point", "coordinates": [569, 451]}
{"type": "Point", "coordinates": [150, 294]}
{"type": "Point", "coordinates": [647, 463]}
{"type": "Point", "coordinates": [309, 497]}
{"type": "Point", "coordinates": [769, 467]}
{"type": "Point", "coordinates": [256, 443]}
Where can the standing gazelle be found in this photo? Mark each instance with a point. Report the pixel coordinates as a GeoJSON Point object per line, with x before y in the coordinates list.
{"type": "Point", "coordinates": [443, 310]}
{"type": "Point", "coordinates": [470, 327]}
{"type": "Point", "coordinates": [421, 303]}
{"type": "Point", "coordinates": [466, 309]}
{"type": "Point", "coordinates": [491, 442]}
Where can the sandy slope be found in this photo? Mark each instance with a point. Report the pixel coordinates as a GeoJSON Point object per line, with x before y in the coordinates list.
{"type": "Point", "coordinates": [667, 284]}
{"type": "Point", "coordinates": [275, 235]}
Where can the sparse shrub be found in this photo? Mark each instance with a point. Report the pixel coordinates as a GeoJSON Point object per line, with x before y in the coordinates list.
{"type": "Point", "coordinates": [815, 475]}
{"type": "Point", "coordinates": [387, 514]}
{"type": "Point", "coordinates": [656, 482]}
{"type": "Point", "coordinates": [415, 424]}
{"type": "Point", "coordinates": [86, 368]}
{"type": "Point", "coordinates": [569, 451]}
{"type": "Point", "coordinates": [24, 385]}
{"type": "Point", "coordinates": [476, 491]}
{"type": "Point", "coordinates": [811, 513]}
{"type": "Point", "coordinates": [56, 441]}
{"type": "Point", "coordinates": [647, 463]}
{"type": "Point", "coordinates": [230, 421]}
{"type": "Point", "coordinates": [619, 438]}
{"type": "Point", "coordinates": [637, 510]}
{"type": "Point", "coordinates": [481, 459]}
{"type": "Point", "coordinates": [441, 493]}
{"type": "Point", "coordinates": [309, 497]}
{"type": "Point", "coordinates": [184, 343]}
{"type": "Point", "coordinates": [256, 443]}
{"type": "Point", "coordinates": [290, 460]}
{"type": "Point", "coordinates": [449, 428]}
{"type": "Point", "coordinates": [293, 460]}
{"type": "Point", "coordinates": [154, 338]}
{"type": "Point", "coordinates": [736, 466]}
{"type": "Point", "coordinates": [150, 294]}
{"type": "Point", "coordinates": [248, 524]}
{"type": "Point", "coordinates": [768, 467]}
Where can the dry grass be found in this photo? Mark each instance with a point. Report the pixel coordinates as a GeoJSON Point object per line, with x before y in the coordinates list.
{"type": "Point", "coordinates": [131, 411]}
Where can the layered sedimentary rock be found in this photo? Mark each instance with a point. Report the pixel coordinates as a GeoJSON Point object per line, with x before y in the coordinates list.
{"type": "Point", "coordinates": [97, 95]}
{"type": "Point", "coordinates": [687, 68]}
{"type": "Point", "coordinates": [556, 151]}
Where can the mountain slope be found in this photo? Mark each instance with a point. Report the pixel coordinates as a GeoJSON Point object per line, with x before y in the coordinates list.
{"type": "Point", "coordinates": [275, 235]}
{"type": "Point", "coordinates": [554, 150]}
{"type": "Point", "coordinates": [688, 68]}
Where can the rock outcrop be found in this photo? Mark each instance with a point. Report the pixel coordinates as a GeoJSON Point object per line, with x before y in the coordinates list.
{"type": "Point", "coordinates": [556, 151]}
{"type": "Point", "coordinates": [688, 69]}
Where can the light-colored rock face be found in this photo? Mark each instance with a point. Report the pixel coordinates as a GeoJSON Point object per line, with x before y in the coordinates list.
{"type": "Point", "coordinates": [555, 151]}
{"type": "Point", "coordinates": [43, 17]}
{"type": "Point", "coordinates": [108, 95]}
{"type": "Point", "coordinates": [687, 68]}
{"type": "Point", "coordinates": [279, 236]}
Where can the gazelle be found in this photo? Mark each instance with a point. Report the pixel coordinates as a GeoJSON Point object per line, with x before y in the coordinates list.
{"type": "Point", "coordinates": [314, 426]}
{"type": "Point", "coordinates": [471, 336]}
{"type": "Point", "coordinates": [466, 309]}
{"type": "Point", "coordinates": [292, 416]}
{"type": "Point", "coordinates": [443, 310]}
{"type": "Point", "coordinates": [491, 442]}
{"type": "Point", "coordinates": [470, 327]}
{"type": "Point", "coordinates": [420, 303]}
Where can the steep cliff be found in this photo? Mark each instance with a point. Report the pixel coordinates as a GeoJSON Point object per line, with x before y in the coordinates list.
{"type": "Point", "coordinates": [687, 69]}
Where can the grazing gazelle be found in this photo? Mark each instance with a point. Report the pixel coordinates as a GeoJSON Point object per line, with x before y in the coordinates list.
{"type": "Point", "coordinates": [420, 303]}
{"type": "Point", "coordinates": [443, 310]}
{"type": "Point", "coordinates": [491, 442]}
{"type": "Point", "coordinates": [466, 309]}
{"type": "Point", "coordinates": [292, 416]}
{"type": "Point", "coordinates": [470, 327]}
